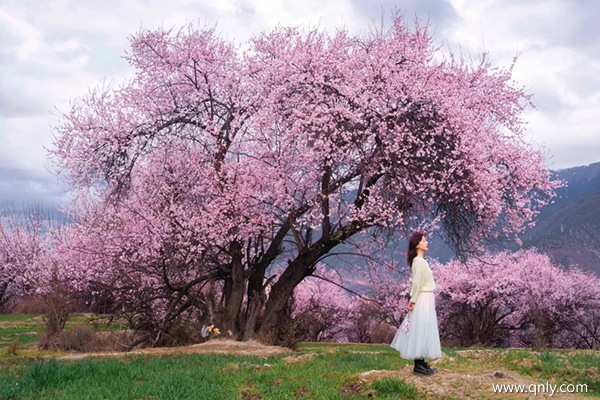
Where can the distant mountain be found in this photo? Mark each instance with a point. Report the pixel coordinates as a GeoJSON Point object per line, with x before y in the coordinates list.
{"type": "Point", "coordinates": [580, 182]}
{"type": "Point", "coordinates": [569, 230]}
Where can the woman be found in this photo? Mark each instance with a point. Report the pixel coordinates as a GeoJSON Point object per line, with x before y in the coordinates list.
{"type": "Point", "coordinates": [418, 337]}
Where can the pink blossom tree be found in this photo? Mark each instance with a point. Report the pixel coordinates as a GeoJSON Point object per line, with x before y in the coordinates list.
{"type": "Point", "coordinates": [28, 264]}
{"type": "Point", "coordinates": [326, 310]}
{"type": "Point", "coordinates": [482, 301]}
{"type": "Point", "coordinates": [19, 249]}
{"type": "Point", "coordinates": [516, 299]}
{"type": "Point", "coordinates": [391, 288]}
{"type": "Point", "coordinates": [24, 244]}
{"type": "Point", "coordinates": [565, 309]}
{"type": "Point", "coordinates": [362, 320]}
{"type": "Point", "coordinates": [213, 165]}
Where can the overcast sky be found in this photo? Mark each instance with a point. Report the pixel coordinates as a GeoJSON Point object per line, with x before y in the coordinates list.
{"type": "Point", "coordinates": [52, 52]}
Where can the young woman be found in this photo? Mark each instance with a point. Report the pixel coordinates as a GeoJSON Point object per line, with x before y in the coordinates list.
{"type": "Point", "coordinates": [418, 337]}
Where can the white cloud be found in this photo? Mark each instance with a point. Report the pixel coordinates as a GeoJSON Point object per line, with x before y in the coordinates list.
{"type": "Point", "coordinates": [28, 37]}
{"type": "Point", "coordinates": [555, 64]}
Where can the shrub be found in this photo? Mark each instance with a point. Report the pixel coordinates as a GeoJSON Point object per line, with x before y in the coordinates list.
{"type": "Point", "coordinates": [30, 305]}
{"type": "Point", "coordinates": [84, 339]}
{"type": "Point", "coordinates": [383, 332]}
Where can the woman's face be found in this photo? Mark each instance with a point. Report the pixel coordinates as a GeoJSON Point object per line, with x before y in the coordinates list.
{"type": "Point", "coordinates": [423, 245]}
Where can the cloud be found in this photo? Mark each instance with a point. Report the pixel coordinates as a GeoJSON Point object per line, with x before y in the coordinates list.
{"type": "Point", "coordinates": [439, 13]}
{"type": "Point", "coordinates": [20, 186]}
{"type": "Point", "coordinates": [558, 49]}
{"type": "Point", "coordinates": [15, 102]}
{"type": "Point", "coordinates": [19, 38]}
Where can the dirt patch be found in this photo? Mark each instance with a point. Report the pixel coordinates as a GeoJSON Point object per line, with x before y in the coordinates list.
{"type": "Point", "coordinates": [302, 393]}
{"type": "Point", "coordinates": [249, 348]}
{"type": "Point", "coordinates": [369, 377]}
{"type": "Point", "coordinates": [450, 384]}
{"type": "Point", "coordinates": [353, 389]}
{"type": "Point", "coordinates": [250, 394]}
{"type": "Point", "coordinates": [299, 359]}
{"type": "Point", "coordinates": [480, 354]}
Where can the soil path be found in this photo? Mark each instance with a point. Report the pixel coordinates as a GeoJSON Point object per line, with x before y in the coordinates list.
{"type": "Point", "coordinates": [249, 348]}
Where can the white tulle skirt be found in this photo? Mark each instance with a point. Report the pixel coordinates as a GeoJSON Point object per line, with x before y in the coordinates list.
{"type": "Point", "coordinates": [419, 338]}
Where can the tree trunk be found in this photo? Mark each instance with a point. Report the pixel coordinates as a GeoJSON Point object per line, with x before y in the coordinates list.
{"type": "Point", "coordinates": [234, 290]}
{"type": "Point", "coordinates": [3, 295]}
{"type": "Point", "coordinates": [255, 305]}
{"type": "Point", "coordinates": [296, 271]}
{"type": "Point", "coordinates": [256, 300]}
{"type": "Point", "coordinates": [281, 293]}
{"type": "Point", "coordinates": [256, 282]}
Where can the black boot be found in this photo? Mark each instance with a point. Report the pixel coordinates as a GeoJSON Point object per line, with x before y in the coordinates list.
{"type": "Point", "coordinates": [428, 367]}
{"type": "Point", "coordinates": [421, 369]}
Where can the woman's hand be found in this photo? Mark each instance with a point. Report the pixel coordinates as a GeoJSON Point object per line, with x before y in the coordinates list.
{"type": "Point", "coordinates": [410, 306]}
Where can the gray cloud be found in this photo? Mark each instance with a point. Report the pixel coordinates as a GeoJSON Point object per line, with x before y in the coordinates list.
{"type": "Point", "coordinates": [9, 45]}
{"type": "Point", "coordinates": [104, 55]}
{"type": "Point", "coordinates": [22, 186]}
{"type": "Point", "coordinates": [546, 100]}
{"type": "Point", "coordinates": [16, 102]}
{"type": "Point", "coordinates": [439, 13]}
{"type": "Point", "coordinates": [586, 32]}
{"type": "Point", "coordinates": [583, 32]}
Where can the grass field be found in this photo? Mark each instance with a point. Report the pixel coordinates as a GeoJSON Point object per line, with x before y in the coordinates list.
{"type": "Point", "coordinates": [315, 371]}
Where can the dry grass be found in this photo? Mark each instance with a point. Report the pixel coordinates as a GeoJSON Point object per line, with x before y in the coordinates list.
{"type": "Point", "coordinates": [216, 346]}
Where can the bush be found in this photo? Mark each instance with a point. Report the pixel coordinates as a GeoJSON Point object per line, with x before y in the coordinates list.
{"type": "Point", "coordinates": [84, 339]}
{"type": "Point", "coordinates": [30, 305]}
{"type": "Point", "coordinates": [11, 350]}
{"type": "Point", "coordinates": [182, 334]}
{"type": "Point", "coordinates": [383, 332]}
{"type": "Point", "coordinates": [79, 339]}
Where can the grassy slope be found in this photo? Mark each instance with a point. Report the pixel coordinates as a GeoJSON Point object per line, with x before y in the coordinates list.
{"type": "Point", "coordinates": [317, 371]}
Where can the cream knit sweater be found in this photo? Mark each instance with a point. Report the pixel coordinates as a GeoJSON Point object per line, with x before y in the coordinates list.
{"type": "Point", "coordinates": [422, 278]}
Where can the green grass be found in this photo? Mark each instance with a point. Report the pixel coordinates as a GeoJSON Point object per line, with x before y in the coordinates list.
{"type": "Point", "coordinates": [330, 371]}
{"type": "Point", "coordinates": [19, 328]}
{"type": "Point", "coordinates": [17, 317]}
{"type": "Point", "coordinates": [201, 377]}
{"type": "Point", "coordinates": [394, 388]}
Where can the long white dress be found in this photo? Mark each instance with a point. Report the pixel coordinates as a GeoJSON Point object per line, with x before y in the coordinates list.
{"type": "Point", "coordinates": [418, 335]}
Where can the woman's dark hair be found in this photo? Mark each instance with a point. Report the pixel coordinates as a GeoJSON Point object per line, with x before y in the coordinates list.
{"type": "Point", "coordinates": [413, 242]}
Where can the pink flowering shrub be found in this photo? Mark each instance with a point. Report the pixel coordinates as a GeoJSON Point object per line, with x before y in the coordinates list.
{"type": "Point", "coordinates": [29, 267]}
{"type": "Point", "coordinates": [516, 299]}
{"type": "Point", "coordinates": [326, 312]}
{"type": "Point", "coordinates": [321, 310]}
{"type": "Point", "coordinates": [21, 247]}
{"type": "Point", "coordinates": [27, 243]}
